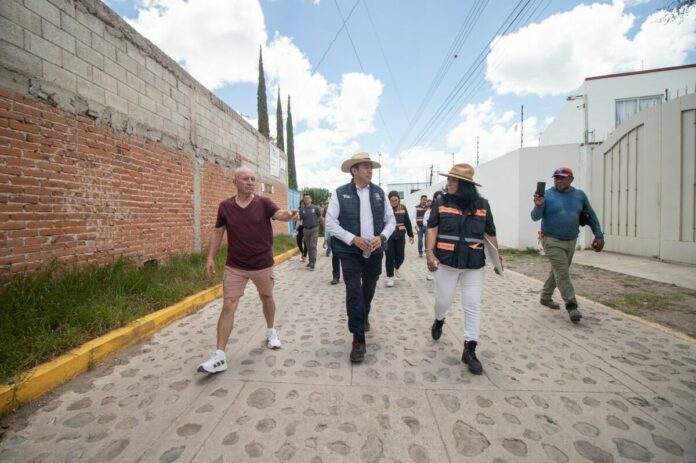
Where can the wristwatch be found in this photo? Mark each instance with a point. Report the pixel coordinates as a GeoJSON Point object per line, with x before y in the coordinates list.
{"type": "Point", "coordinates": [383, 238]}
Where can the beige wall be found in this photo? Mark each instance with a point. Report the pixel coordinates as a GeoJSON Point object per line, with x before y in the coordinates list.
{"type": "Point", "coordinates": [644, 183]}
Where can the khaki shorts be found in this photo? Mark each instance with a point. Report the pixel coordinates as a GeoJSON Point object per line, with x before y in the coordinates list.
{"type": "Point", "coordinates": [235, 280]}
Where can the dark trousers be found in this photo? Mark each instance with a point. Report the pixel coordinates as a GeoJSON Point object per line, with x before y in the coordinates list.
{"type": "Point", "coordinates": [394, 255]}
{"type": "Point", "coordinates": [336, 266]}
{"type": "Point", "coordinates": [300, 243]}
{"type": "Point", "coordinates": [360, 275]}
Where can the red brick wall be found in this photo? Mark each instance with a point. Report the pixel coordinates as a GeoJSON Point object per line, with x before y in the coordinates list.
{"type": "Point", "coordinates": [79, 192]}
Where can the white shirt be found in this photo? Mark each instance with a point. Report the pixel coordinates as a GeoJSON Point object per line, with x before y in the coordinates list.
{"type": "Point", "coordinates": [426, 216]}
{"type": "Point", "coordinates": [367, 228]}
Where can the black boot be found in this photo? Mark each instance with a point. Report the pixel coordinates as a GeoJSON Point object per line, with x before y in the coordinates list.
{"type": "Point", "coordinates": [573, 312]}
{"type": "Point", "coordinates": [436, 330]}
{"type": "Point", "coordinates": [469, 357]}
{"type": "Point", "coordinates": [357, 355]}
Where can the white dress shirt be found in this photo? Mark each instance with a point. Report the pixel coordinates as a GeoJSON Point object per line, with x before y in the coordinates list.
{"type": "Point", "coordinates": [367, 228]}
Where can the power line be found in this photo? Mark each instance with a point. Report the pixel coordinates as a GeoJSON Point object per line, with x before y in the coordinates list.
{"type": "Point", "coordinates": [462, 35]}
{"type": "Point", "coordinates": [474, 90]}
{"type": "Point", "coordinates": [357, 56]}
{"type": "Point", "coordinates": [321, 60]}
{"type": "Point", "coordinates": [384, 56]}
{"type": "Point", "coordinates": [466, 81]}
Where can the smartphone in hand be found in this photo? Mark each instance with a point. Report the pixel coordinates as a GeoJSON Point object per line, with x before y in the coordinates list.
{"type": "Point", "coordinates": [541, 187]}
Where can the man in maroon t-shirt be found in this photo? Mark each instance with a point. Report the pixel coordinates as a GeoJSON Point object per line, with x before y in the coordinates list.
{"type": "Point", "coordinates": [247, 219]}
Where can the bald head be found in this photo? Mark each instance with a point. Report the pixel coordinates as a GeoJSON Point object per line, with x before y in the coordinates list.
{"type": "Point", "coordinates": [244, 181]}
{"type": "Point", "coordinates": [242, 170]}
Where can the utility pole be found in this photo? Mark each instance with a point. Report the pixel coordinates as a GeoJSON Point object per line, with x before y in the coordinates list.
{"type": "Point", "coordinates": [477, 150]}
{"type": "Point", "coordinates": [430, 183]}
{"type": "Point", "coordinates": [379, 173]}
{"type": "Point", "coordinates": [522, 127]}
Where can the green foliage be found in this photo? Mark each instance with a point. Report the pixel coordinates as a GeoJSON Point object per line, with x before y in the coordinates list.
{"type": "Point", "coordinates": [45, 314]}
{"type": "Point", "coordinates": [292, 172]}
{"type": "Point", "coordinates": [261, 103]}
{"type": "Point", "coordinates": [280, 139]}
{"type": "Point", "coordinates": [319, 195]}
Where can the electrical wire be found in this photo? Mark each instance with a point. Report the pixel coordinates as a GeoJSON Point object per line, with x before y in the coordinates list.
{"type": "Point", "coordinates": [343, 25]}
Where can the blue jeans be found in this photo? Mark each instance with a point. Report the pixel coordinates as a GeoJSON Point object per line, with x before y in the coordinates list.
{"type": "Point", "coordinates": [421, 233]}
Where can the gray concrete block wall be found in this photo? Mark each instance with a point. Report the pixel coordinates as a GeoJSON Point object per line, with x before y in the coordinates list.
{"type": "Point", "coordinates": [82, 57]}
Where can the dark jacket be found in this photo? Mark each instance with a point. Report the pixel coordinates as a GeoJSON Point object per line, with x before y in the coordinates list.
{"type": "Point", "coordinates": [460, 240]}
{"type": "Point", "coordinates": [349, 214]}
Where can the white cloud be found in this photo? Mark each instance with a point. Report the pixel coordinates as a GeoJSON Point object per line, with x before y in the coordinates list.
{"type": "Point", "coordinates": [554, 56]}
{"type": "Point", "coordinates": [216, 41]}
{"type": "Point", "coordinates": [498, 133]}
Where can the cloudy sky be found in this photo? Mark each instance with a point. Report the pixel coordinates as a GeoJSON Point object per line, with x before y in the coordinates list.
{"type": "Point", "coordinates": [417, 81]}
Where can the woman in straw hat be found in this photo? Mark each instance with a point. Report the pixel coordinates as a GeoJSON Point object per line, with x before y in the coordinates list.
{"type": "Point", "coordinates": [458, 224]}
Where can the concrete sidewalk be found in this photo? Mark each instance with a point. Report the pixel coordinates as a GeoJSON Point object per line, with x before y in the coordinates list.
{"type": "Point", "coordinates": [644, 267]}
{"type": "Point", "coordinates": [609, 389]}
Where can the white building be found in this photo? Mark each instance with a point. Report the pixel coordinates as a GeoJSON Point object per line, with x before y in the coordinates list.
{"type": "Point", "coordinates": [602, 103]}
{"type": "Point", "coordinates": [606, 108]}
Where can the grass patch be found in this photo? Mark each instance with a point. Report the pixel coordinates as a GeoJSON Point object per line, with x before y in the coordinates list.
{"type": "Point", "coordinates": [636, 303]}
{"type": "Point", "coordinates": [47, 313]}
{"type": "Point", "coordinates": [512, 254]}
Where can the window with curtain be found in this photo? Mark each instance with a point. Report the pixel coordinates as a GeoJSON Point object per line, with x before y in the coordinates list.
{"type": "Point", "coordinates": [626, 108]}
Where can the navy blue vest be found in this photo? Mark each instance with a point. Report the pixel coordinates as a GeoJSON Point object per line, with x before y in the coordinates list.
{"type": "Point", "coordinates": [349, 214]}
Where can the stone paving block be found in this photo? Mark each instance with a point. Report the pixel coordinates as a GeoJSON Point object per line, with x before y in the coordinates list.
{"type": "Point", "coordinates": [285, 422]}
{"type": "Point", "coordinates": [546, 426]}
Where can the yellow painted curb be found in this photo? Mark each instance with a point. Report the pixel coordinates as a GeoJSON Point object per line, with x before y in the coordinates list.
{"type": "Point", "coordinates": [50, 375]}
{"type": "Point", "coordinates": [657, 326]}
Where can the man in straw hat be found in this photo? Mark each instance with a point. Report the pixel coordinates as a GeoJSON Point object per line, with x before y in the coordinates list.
{"type": "Point", "coordinates": [459, 223]}
{"type": "Point", "coordinates": [360, 221]}
{"type": "Point", "coordinates": [559, 210]}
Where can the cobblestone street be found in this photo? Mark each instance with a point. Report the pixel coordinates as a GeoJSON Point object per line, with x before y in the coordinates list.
{"type": "Point", "coordinates": [607, 390]}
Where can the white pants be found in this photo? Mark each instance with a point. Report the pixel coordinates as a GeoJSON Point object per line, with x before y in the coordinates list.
{"type": "Point", "coordinates": [446, 279]}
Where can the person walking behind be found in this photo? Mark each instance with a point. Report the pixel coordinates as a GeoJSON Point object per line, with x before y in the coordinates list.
{"type": "Point", "coordinates": [246, 218]}
{"type": "Point", "coordinates": [397, 241]}
{"type": "Point", "coordinates": [430, 276]}
{"type": "Point", "coordinates": [310, 215]}
{"type": "Point", "coordinates": [559, 210]}
{"type": "Point", "coordinates": [458, 224]}
{"type": "Point", "coordinates": [335, 261]}
{"type": "Point", "coordinates": [360, 221]}
{"type": "Point", "coordinates": [420, 228]}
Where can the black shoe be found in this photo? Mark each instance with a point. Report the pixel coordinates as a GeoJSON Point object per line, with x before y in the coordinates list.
{"type": "Point", "coordinates": [367, 325]}
{"type": "Point", "coordinates": [436, 330]}
{"type": "Point", "coordinates": [549, 303]}
{"type": "Point", "coordinates": [469, 357]}
{"type": "Point", "coordinates": [357, 355]}
{"type": "Point", "coordinates": [334, 281]}
{"type": "Point", "coordinates": [420, 254]}
{"type": "Point", "coordinates": [308, 264]}
{"type": "Point", "coordinates": [573, 312]}
{"type": "Point", "coordinates": [311, 265]}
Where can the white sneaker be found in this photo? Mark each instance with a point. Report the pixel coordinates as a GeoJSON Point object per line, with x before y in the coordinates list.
{"type": "Point", "coordinates": [396, 274]}
{"type": "Point", "coordinates": [272, 337]}
{"type": "Point", "coordinates": [216, 363]}
{"type": "Point", "coordinates": [430, 276]}
{"type": "Point", "coordinates": [390, 282]}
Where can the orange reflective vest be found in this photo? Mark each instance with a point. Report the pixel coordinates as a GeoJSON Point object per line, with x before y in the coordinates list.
{"type": "Point", "coordinates": [460, 235]}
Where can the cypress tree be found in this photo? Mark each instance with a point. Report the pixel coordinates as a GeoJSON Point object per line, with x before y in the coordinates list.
{"type": "Point", "coordinates": [261, 105]}
{"type": "Point", "coordinates": [292, 172]}
{"type": "Point", "coordinates": [280, 139]}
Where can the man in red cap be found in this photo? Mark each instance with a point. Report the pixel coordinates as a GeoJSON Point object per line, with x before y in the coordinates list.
{"type": "Point", "coordinates": [559, 210]}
